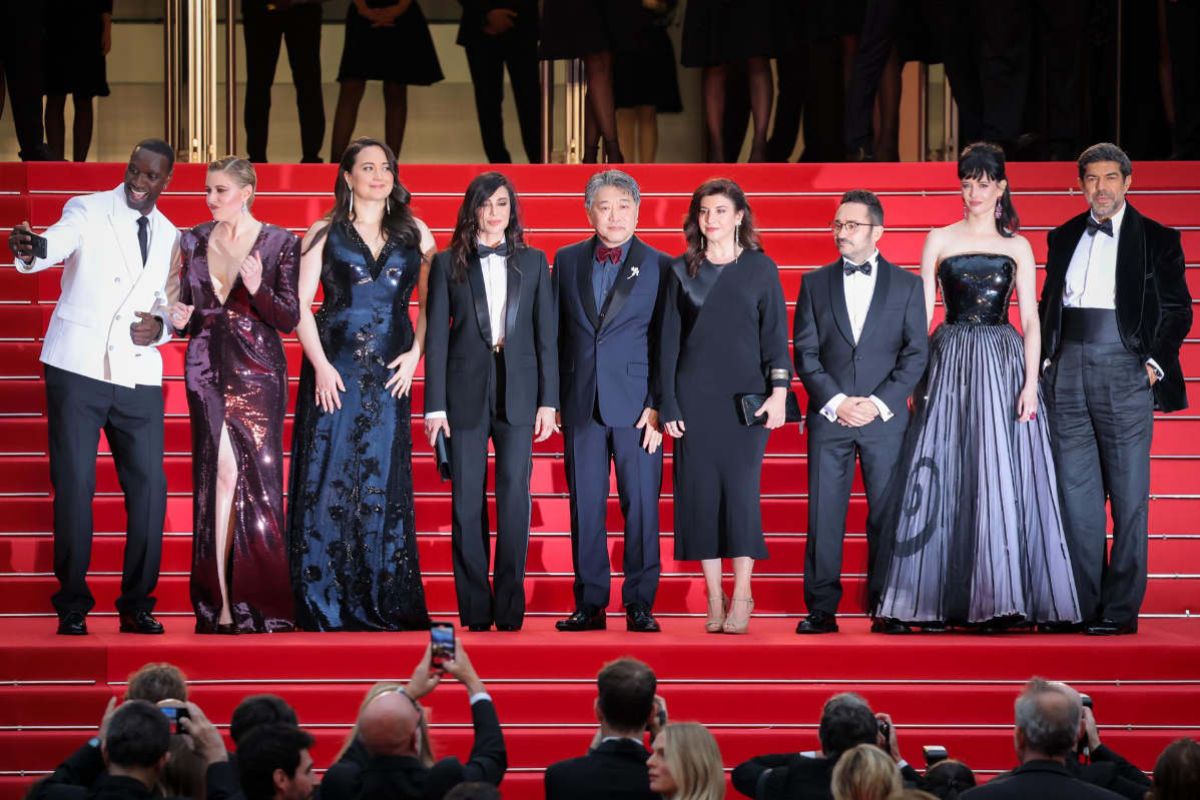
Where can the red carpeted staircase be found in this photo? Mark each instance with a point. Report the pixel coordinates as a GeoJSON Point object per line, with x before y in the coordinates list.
{"type": "Point", "coordinates": [758, 693]}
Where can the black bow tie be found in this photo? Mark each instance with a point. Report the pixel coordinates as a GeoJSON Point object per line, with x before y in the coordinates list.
{"type": "Point", "coordinates": [850, 269]}
{"type": "Point", "coordinates": [1102, 227]}
{"type": "Point", "coordinates": [499, 250]}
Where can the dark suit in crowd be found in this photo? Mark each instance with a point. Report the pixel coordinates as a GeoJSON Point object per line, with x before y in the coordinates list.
{"type": "Point", "coordinates": [1038, 780]}
{"type": "Point", "coordinates": [406, 778]}
{"type": "Point", "coordinates": [607, 379]}
{"type": "Point", "coordinates": [885, 360]}
{"type": "Point", "coordinates": [1101, 405]}
{"type": "Point", "coordinates": [485, 393]}
{"type": "Point", "coordinates": [487, 56]}
{"type": "Point", "coordinates": [614, 770]}
{"type": "Point", "coordinates": [82, 777]}
{"type": "Point", "coordinates": [266, 26]}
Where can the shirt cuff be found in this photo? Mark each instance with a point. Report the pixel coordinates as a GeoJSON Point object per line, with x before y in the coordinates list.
{"type": "Point", "coordinates": [435, 415]}
{"type": "Point", "coordinates": [480, 697]}
{"type": "Point", "coordinates": [1157, 369]}
{"type": "Point", "coordinates": [901, 764]}
{"type": "Point", "coordinates": [885, 413]}
{"type": "Point", "coordinates": [829, 410]}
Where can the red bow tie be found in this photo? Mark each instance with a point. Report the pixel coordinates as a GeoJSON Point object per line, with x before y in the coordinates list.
{"type": "Point", "coordinates": [612, 254]}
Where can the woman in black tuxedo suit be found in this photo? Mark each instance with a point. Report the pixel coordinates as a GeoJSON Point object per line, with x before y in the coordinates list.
{"type": "Point", "coordinates": [490, 371]}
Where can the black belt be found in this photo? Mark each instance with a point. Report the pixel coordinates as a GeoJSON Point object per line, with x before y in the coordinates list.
{"type": "Point", "coordinates": [1093, 325]}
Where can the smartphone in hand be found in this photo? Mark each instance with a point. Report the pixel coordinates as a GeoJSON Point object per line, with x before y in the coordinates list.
{"type": "Point", "coordinates": [441, 641]}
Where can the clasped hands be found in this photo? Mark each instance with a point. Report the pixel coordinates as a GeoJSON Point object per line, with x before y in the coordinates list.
{"type": "Point", "coordinates": [382, 17]}
{"type": "Point", "coordinates": [855, 412]}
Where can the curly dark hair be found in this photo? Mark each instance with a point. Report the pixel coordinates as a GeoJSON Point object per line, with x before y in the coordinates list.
{"type": "Point", "coordinates": [464, 242]}
{"type": "Point", "coordinates": [747, 235]}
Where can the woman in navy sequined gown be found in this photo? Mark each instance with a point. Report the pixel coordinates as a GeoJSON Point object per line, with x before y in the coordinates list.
{"type": "Point", "coordinates": [979, 536]}
{"type": "Point", "coordinates": [237, 294]}
{"type": "Point", "coordinates": [351, 523]}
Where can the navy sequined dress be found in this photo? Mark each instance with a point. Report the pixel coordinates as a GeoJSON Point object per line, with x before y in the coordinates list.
{"type": "Point", "coordinates": [352, 534]}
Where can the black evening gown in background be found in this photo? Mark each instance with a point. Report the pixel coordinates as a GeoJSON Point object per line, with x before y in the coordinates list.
{"type": "Point", "coordinates": [236, 377]}
{"type": "Point", "coordinates": [979, 535]}
{"type": "Point", "coordinates": [723, 332]}
{"type": "Point", "coordinates": [400, 53]}
{"type": "Point", "coordinates": [644, 69]}
{"type": "Point", "coordinates": [717, 32]}
{"type": "Point", "coordinates": [576, 28]}
{"type": "Point", "coordinates": [75, 61]}
{"type": "Point", "coordinates": [351, 524]}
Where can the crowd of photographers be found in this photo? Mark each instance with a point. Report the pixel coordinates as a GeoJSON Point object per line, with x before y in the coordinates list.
{"type": "Point", "coordinates": [157, 743]}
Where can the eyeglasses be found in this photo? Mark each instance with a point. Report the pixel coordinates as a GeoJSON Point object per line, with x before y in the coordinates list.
{"type": "Point", "coordinates": [849, 227]}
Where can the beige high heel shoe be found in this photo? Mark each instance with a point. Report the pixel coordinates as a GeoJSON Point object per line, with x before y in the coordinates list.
{"type": "Point", "coordinates": [716, 622]}
{"type": "Point", "coordinates": [732, 623]}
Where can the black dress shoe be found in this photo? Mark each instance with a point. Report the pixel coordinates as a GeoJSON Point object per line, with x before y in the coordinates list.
{"type": "Point", "coordinates": [1060, 627]}
{"type": "Point", "coordinates": [479, 627]}
{"type": "Point", "coordinates": [818, 622]}
{"type": "Point", "coordinates": [74, 623]}
{"type": "Point", "coordinates": [890, 626]}
{"type": "Point", "coordinates": [1108, 627]}
{"type": "Point", "coordinates": [638, 619]}
{"type": "Point", "coordinates": [140, 622]}
{"type": "Point", "coordinates": [508, 628]}
{"type": "Point", "coordinates": [585, 618]}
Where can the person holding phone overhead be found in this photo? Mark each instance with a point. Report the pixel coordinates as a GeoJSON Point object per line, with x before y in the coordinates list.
{"type": "Point", "coordinates": [724, 334]}
{"type": "Point", "coordinates": [491, 371]}
{"type": "Point", "coordinates": [237, 294]}
{"type": "Point", "coordinates": [103, 372]}
{"type": "Point", "coordinates": [351, 525]}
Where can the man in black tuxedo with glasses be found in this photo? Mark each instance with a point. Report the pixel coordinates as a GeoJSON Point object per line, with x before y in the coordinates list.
{"type": "Point", "coordinates": [860, 347]}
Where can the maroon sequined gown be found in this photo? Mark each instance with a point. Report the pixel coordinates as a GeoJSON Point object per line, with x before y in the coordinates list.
{"type": "Point", "coordinates": [237, 377]}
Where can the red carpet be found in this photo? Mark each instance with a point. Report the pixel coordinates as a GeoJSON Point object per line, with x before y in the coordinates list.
{"type": "Point", "coordinates": [759, 693]}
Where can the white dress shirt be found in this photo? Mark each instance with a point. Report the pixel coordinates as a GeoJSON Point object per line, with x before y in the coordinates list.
{"type": "Point", "coordinates": [1091, 280]}
{"type": "Point", "coordinates": [495, 286]}
{"type": "Point", "coordinates": [859, 289]}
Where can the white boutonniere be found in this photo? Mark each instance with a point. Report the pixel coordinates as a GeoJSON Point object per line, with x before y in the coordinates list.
{"type": "Point", "coordinates": [633, 273]}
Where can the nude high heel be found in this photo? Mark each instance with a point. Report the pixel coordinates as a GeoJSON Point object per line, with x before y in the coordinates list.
{"type": "Point", "coordinates": [716, 622]}
{"type": "Point", "coordinates": [732, 624]}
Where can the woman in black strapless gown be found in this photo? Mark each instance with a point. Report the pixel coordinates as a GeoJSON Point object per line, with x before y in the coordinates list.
{"type": "Point", "coordinates": [979, 539]}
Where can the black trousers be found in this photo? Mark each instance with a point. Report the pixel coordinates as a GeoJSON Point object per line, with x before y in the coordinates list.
{"type": "Point", "coordinates": [503, 601]}
{"type": "Point", "coordinates": [21, 54]}
{"type": "Point", "coordinates": [1183, 32]}
{"type": "Point", "coordinates": [487, 63]}
{"type": "Point", "coordinates": [265, 31]}
{"type": "Point", "coordinates": [876, 42]}
{"type": "Point", "coordinates": [589, 449]}
{"type": "Point", "coordinates": [77, 409]}
{"type": "Point", "coordinates": [831, 453]}
{"type": "Point", "coordinates": [1101, 420]}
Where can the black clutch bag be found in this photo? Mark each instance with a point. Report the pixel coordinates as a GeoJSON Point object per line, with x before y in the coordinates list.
{"type": "Point", "coordinates": [749, 403]}
{"type": "Point", "coordinates": [441, 451]}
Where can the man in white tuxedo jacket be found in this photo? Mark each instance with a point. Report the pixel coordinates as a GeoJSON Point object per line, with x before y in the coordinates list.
{"type": "Point", "coordinates": [103, 372]}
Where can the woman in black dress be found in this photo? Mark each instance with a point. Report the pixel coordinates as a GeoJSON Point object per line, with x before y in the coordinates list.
{"type": "Point", "coordinates": [717, 33]}
{"type": "Point", "coordinates": [592, 30]}
{"type": "Point", "coordinates": [82, 35]}
{"type": "Point", "coordinates": [724, 334]}
{"type": "Point", "coordinates": [645, 81]}
{"type": "Point", "coordinates": [389, 41]}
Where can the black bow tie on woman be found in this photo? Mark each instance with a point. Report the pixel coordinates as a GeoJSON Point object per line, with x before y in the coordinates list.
{"type": "Point", "coordinates": [849, 269]}
{"type": "Point", "coordinates": [1102, 227]}
{"type": "Point", "coordinates": [499, 250]}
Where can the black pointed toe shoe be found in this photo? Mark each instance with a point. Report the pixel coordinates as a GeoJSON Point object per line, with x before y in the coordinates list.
{"type": "Point", "coordinates": [585, 618]}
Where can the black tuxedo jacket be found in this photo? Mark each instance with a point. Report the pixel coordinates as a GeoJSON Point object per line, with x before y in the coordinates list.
{"type": "Point", "coordinates": [458, 354]}
{"type": "Point", "coordinates": [891, 353]}
{"type": "Point", "coordinates": [1154, 307]}
{"type": "Point", "coordinates": [614, 769]}
{"type": "Point", "coordinates": [605, 354]}
{"type": "Point", "coordinates": [1038, 780]}
{"type": "Point", "coordinates": [474, 15]}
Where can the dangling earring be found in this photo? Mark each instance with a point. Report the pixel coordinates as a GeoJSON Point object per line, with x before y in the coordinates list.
{"type": "Point", "coordinates": [350, 210]}
{"type": "Point", "coordinates": [965, 209]}
{"type": "Point", "coordinates": [245, 208]}
{"type": "Point", "coordinates": [387, 206]}
{"type": "Point", "coordinates": [999, 211]}
{"type": "Point", "coordinates": [737, 234]}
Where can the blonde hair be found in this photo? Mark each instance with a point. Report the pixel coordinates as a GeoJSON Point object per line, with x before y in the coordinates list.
{"type": "Point", "coordinates": [865, 773]}
{"type": "Point", "coordinates": [242, 172]}
{"type": "Point", "coordinates": [694, 760]}
{"type": "Point", "coordinates": [426, 752]}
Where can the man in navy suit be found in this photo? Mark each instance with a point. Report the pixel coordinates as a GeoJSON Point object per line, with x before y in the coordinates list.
{"type": "Point", "coordinates": [607, 288]}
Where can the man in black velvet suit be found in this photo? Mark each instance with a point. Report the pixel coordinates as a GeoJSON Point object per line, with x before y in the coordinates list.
{"type": "Point", "coordinates": [615, 766]}
{"type": "Point", "coordinates": [607, 290]}
{"type": "Point", "coordinates": [498, 34]}
{"type": "Point", "coordinates": [1115, 309]}
{"type": "Point", "coordinates": [860, 348]}
{"type": "Point", "coordinates": [1047, 729]}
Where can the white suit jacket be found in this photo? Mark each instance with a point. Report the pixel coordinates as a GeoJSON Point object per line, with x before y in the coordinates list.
{"type": "Point", "coordinates": [103, 284]}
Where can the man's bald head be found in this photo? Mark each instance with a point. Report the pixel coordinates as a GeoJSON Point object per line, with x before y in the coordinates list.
{"type": "Point", "coordinates": [388, 725]}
